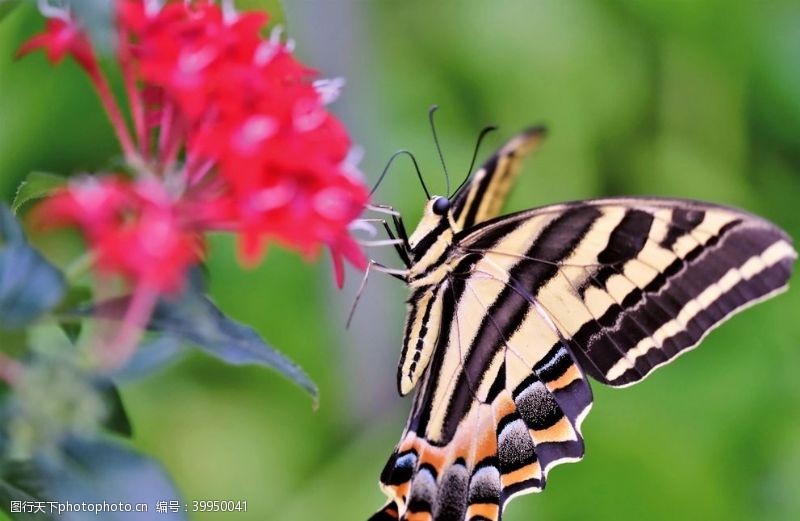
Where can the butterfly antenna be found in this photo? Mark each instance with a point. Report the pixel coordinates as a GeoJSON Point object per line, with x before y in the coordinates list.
{"type": "Point", "coordinates": [483, 133]}
{"type": "Point", "coordinates": [389, 163]}
{"type": "Point", "coordinates": [431, 111]}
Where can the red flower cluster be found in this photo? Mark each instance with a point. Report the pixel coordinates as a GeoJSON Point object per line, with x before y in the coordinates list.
{"type": "Point", "coordinates": [243, 142]}
{"type": "Point", "coordinates": [136, 230]}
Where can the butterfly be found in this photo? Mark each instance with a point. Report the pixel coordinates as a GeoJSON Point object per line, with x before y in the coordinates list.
{"type": "Point", "coordinates": [509, 315]}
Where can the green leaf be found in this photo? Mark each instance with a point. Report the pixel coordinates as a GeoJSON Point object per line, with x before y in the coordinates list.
{"type": "Point", "coordinates": [193, 317]}
{"type": "Point", "coordinates": [75, 297]}
{"type": "Point", "coordinates": [104, 471]}
{"type": "Point", "coordinates": [36, 186]}
{"type": "Point", "coordinates": [6, 6]}
{"type": "Point", "coordinates": [29, 284]}
{"type": "Point", "coordinates": [117, 420]}
{"type": "Point", "coordinates": [21, 481]}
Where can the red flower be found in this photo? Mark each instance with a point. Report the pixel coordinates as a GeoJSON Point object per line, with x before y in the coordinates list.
{"type": "Point", "coordinates": [263, 156]}
{"type": "Point", "coordinates": [302, 209]}
{"type": "Point", "coordinates": [134, 230]}
{"type": "Point", "coordinates": [59, 39]}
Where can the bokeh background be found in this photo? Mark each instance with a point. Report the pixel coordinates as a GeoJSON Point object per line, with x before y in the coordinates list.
{"type": "Point", "coordinates": [697, 99]}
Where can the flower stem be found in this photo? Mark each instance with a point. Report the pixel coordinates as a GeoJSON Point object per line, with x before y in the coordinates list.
{"type": "Point", "coordinates": [115, 117]}
{"type": "Point", "coordinates": [170, 138]}
{"type": "Point", "coordinates": [123, 346]}
{"type": "Point", "coordinates": [197, 174]}
{"type": "Point", "coordinates": [137, 108]}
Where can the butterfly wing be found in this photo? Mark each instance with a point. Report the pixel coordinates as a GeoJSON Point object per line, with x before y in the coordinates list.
{"type": "Point", "coordinates": [484, 193]}
{"type": "Point", "coordinates": [644, 280]}
{"type": "Point", "coordinates": [612, 288]}
{"type": "Point", "coordinates": [479, 199]}
{"type": "Point", "coordinates": [493, 414]}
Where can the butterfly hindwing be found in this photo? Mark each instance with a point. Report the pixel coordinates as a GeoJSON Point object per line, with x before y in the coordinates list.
{"type": "Point", "coordinates": [388, 513]}
{"type": "Point", "coordinates": [492, 416]}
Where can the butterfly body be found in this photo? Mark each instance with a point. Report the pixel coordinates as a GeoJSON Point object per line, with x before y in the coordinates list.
{"type": "Point", "coordinates": [431, 243]}
{"type": "Point", "coordinates": [509, 315]}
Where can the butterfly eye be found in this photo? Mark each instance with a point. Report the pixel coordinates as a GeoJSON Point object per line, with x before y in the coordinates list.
{"type": "Point", "coordinates": [441, 205]}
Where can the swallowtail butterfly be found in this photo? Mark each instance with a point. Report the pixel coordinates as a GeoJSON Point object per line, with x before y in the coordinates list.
{"type": "Point", "coordinates": [509, 315]}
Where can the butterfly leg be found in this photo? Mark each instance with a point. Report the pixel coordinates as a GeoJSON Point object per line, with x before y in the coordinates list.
{"type": "Point", "coordinates": [400, 246]}
{"type": "Point", "coordinates": [398, 274]}
{"type": "Point", "coordinates": [397, 219]}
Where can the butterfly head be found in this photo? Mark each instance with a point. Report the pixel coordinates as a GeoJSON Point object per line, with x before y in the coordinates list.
{"type": "Point", "coordinates": [440, 205]}
{"type": "Point", "coordinates": [439, 212]}
{"type": "Point", "coordinates": [434, 232]}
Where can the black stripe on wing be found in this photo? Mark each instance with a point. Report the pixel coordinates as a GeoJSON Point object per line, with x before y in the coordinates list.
{"type": "Point", "coordinates": [387, 513]}
{"type": "Point", "coordinates": [557, 240]}
{"type": "Point", "coordinates": [663, 276]}
{"type": "Point", "coordinates": [690, 297]}
{"type": "Point", "coordinates": [684, 220]}
{"type": "Point", "coordinates": [625, 242]}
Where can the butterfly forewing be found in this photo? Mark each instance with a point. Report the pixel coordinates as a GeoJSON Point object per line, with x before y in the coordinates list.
{"type": "Point", "coordinates": [644, 283]}
{"type": "Point", "coordinates": [523, 307]}
{"type": "Point", "coordinates": [485, 192]}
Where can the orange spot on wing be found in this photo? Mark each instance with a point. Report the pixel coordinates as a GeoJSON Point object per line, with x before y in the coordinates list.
{"type": "Point", "coordinates": [504, 405]}
{"type": "Point", "coordinates": [408, 443]}
{"type": "Point", "coordinates": [486, 510]}
{"type": "Point", "coordinates": [565, 379]}
{"type": "Point", "coordinates": [486, 437]}
{"type": "Point", "coordinates": [401, 491]}
{"type": "Point", "coordinates": [531, 471]}
{"type": "Point", "coordinates": [561, 431]}
{"type": "Point", "coordinates": [486, 447]}
{"type": "Point", "coordinates": [431, 455]}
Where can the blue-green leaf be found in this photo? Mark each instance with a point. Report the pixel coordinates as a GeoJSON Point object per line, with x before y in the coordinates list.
{"type": "Point", "coordinates": [193, 317]}
{"type": "Point", "coordinates": [151, 357]}
{"type": "Point", "coordinates": [104, 471]}
{"type": "Point", "coordinates": [29, 284]}
{"type": "Point", "coordinates": [97, 472]}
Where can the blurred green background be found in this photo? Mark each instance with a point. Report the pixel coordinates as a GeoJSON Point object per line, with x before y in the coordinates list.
{"type": "Point", "coordinates": [697, 99]}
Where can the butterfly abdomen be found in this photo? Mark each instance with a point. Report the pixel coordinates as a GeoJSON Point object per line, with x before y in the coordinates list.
{"type": "Point", "coordinates": [421, 333]}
